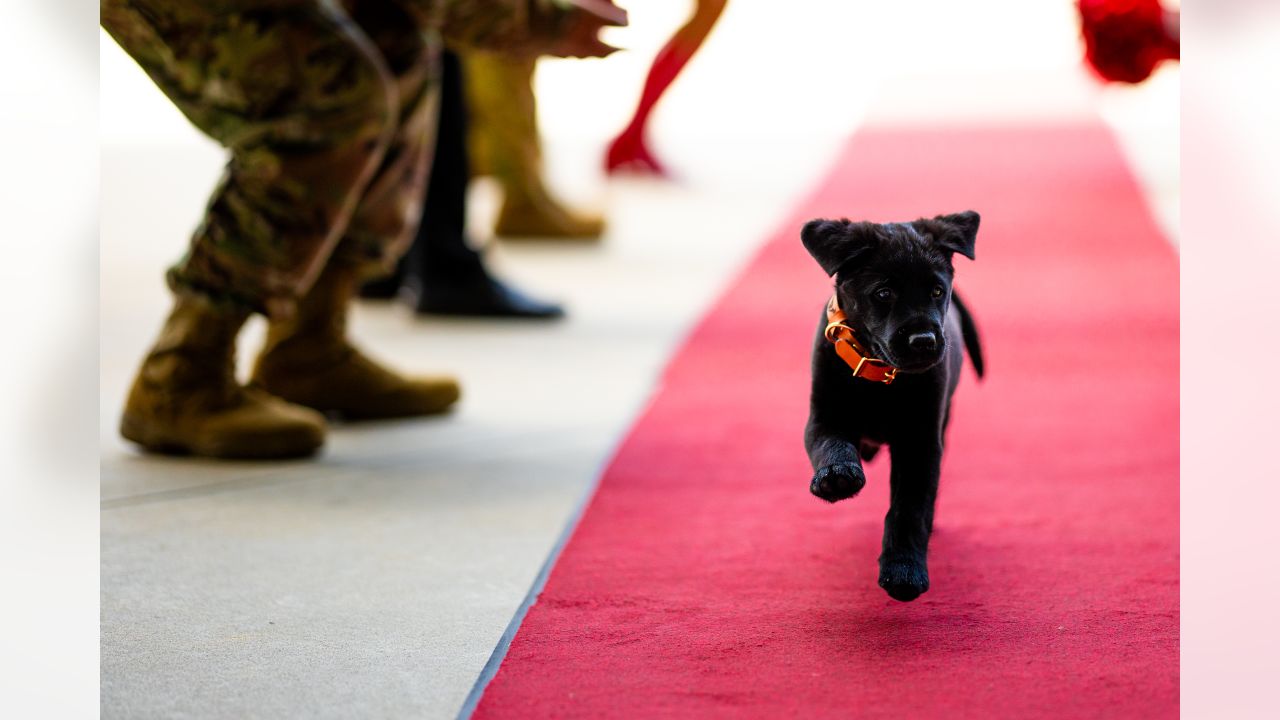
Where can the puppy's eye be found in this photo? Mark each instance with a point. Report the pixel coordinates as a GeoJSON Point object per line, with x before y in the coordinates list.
{"type": "Point", "coordinates": [937, 291]}
{"type": "Point", "coordinates": [884, 295]}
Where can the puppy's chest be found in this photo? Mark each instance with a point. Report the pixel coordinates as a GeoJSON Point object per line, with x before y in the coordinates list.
{"type": "Point", "coordinates": [874, 415]}
{"type": "Point", "coordinates": [883, 412]}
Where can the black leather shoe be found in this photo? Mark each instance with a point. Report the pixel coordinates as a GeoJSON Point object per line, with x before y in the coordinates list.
{"type": "Point", "coordinates": [482, 297]}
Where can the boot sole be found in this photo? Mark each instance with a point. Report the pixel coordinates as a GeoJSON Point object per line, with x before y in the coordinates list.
{"type": "Point", "coordinates": [348, 415]}
{"type": "Point", "coordinates": [278, 446]}
{"type": "Point", "coordinates": [389, 408]}
{"type": "Point", "coordinates": [544, 237]}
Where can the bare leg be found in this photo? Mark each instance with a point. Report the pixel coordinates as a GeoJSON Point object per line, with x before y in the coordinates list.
{"type": "Point", "coordinates": [629, 151]}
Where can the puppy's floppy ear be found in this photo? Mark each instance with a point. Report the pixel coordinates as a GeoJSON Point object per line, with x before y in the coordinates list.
{"type": "Point", "coordinates": [956, 232]}
{"type": "Point", "coordinates": [835, 242]}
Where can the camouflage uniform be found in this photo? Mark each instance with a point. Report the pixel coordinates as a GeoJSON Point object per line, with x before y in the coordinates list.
{"type": "Point", "coordinates": [504, 142]}
{"type": "Point", "coordinates": [328, 109]}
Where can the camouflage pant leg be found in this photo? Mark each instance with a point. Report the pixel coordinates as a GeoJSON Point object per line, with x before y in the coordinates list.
{"type": "Point", "coordinates": [391, 208]}
{"type": "Point", "coordinates": [307, 107]}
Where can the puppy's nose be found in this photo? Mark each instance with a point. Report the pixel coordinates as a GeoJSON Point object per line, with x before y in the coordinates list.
{"type": "Point", "coordinates": [923, 341]}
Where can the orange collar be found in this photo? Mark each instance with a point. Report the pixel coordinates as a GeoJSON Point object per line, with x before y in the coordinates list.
{"type": "Point", "coordinates": [847, 347]}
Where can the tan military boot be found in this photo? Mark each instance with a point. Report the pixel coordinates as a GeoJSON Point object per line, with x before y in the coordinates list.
{"type": "Point", "coordinates": [308, 360]}
{"type": "Point", "coordinates": [186, 398]}
{"type": "Point", "coordinates": [534, 214]}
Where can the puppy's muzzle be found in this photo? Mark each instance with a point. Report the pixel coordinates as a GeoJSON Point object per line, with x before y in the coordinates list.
{"type": "Point", "coordinates": [918, 349]}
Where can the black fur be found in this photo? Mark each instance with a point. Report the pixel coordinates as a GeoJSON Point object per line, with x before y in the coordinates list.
{"type": "Point", "coordinates": [894, 283]}
{"type": "Point", "coordinates": [969, 331]}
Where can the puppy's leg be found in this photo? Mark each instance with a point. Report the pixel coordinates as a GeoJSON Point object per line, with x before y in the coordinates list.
{"type": "Point", "coordinates": [837, 468]}
{"type": "Point", "coordinates": [913, 483]}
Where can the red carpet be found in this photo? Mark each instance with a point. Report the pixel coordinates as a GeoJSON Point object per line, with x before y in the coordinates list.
{"type": "Point", "coordinates": [705, 581]}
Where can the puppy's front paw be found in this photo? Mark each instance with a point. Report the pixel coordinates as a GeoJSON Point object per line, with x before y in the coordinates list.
{"type": "Point", "coordinates": [837, 482]}
{"type": "Point", "coordinates": [904, 580]}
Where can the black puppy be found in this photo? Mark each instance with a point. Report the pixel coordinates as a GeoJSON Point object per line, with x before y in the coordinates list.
{"type": "Point", "coordinates": [885, 364]}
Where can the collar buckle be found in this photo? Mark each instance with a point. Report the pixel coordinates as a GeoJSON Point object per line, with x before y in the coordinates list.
{"type": "Point", "coordinates": [889, 372]}
{"type": "Point", "coordinates": [847, 347]}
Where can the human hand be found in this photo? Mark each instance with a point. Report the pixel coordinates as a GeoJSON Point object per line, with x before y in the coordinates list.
{"type": "Point", "coordinates": [581, 36]}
